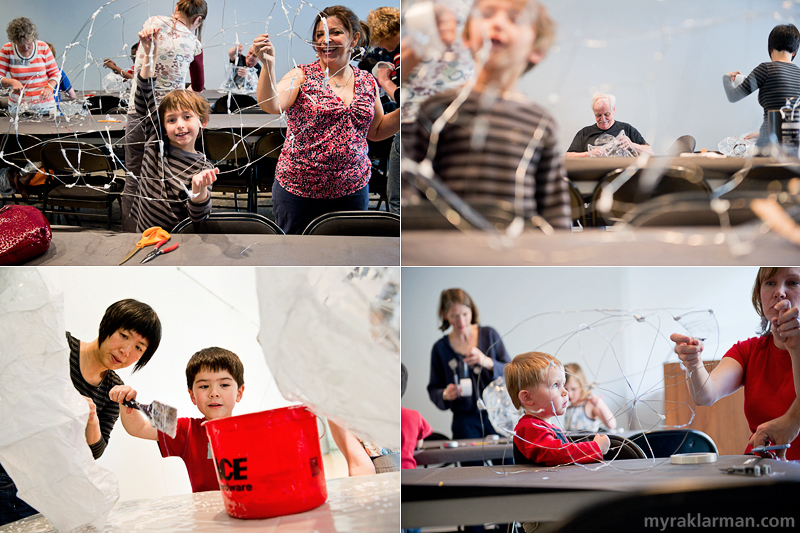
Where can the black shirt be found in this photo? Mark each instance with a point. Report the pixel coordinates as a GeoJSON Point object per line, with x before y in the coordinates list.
{"type": "Point", "coordinates": [241, 61]}
{"type": "Point", "coordinates": [589, 135]}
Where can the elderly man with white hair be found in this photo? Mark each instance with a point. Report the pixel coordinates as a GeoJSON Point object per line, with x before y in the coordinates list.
{"type": "Point", "coordinates": [603, 107]}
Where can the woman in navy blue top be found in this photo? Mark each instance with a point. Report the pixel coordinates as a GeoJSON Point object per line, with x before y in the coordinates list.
{"type": "Point", "coordinates": [480, 348]}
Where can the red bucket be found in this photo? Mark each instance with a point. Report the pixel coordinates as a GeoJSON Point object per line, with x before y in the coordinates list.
{"type": "Point", "coordinates": [268, 463]}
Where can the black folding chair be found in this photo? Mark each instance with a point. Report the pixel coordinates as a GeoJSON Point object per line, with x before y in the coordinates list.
{"type": "Point", "coordinates": [355, 223]}
{"type": "Point", "coordinates": [266, 152]}
{"type": "Point", "coordinates": [20, 149]}
{"type": "Point", "coordinates": [102, 104]}
{"type": "Point", "coordinates": [80, 177]}
{"type": "Point", "coordinates": [379, 152]}
{"type": "Point", "coordinates": [230, 223]}
{"type": "Point", "coordinates": [238, 103]}
{"type": "Point", "coordinates": [666, 442]}
{"type": "Point", "coordinates": [645, 184]}
{"type": "Point", "coordinates": [233, 156]}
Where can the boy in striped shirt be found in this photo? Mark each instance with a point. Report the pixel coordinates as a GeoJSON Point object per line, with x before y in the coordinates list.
{"type": "Point", "coordinates": [175, 179]}
{"type": "Point", "coordinates": [28, 67]}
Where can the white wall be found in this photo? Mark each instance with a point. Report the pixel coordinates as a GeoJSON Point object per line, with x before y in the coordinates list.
{"type": "Point", "coordinates": [63, 23]}
{"type": "Point", "coordinates": [508, 296]}
{"type": "Point", "coordinates": [198, 307]}
{"type": "Point", "coordinates": [663, 60]}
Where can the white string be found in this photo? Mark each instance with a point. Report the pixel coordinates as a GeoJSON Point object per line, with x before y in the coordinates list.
{"type": "Point", "coordinates": [112, 17]}
{"type": "Point", "coordinates": [613, 331]}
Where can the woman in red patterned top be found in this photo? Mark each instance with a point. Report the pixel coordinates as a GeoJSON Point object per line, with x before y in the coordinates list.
{"type": "Point", "coordinates": [28, 67]}
{"type": "Point", "coordinates": [331, 110]}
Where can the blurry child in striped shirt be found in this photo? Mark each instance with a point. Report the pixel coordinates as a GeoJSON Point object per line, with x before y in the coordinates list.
{"type": "Point", "coordinates": [28, 67]}
{"type": "Point", "coordinates": [497, 149]}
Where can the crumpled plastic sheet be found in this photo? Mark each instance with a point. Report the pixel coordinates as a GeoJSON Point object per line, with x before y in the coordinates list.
{"type": "Point", "coordinates": [249, 84]}
{"type": "Point", "coordinates": [609, 146]}
{"type": "Point", "coordinates": [43, 444]}
{"type": "Point", "coordinates": [502, 413]}
{"type": "Point", "coordinates": [737, 146]}
{"type": "Point", "coordinates": [73, 109]}
{"type": "Point", "coordinates": [420, 24]}
{"type": "Point", "coordinates": [30, 113]}
{"type": "Point", "coordinates": [331, 337]}
{"type": "Point", "coordinates": [114, 83]}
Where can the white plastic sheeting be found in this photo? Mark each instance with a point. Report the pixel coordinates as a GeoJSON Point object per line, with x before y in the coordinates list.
{"type": "Point", "coordinates": [502, 413]}
{"type": "Point", "coordinates": [363, 503]}
{"type": "Point", "coordinates": [43, 445]}
{"type": "Point", "coordinates": [331, 338]}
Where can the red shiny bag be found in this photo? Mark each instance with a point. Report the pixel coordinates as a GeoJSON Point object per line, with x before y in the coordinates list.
{"type": "Point", "coordinates": [24, 234]}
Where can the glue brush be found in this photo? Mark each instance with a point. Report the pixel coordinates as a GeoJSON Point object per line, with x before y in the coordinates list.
{"type": "Point", "coordinates": [162, 417]}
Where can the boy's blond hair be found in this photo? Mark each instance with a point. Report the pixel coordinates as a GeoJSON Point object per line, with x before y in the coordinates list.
{"type": "Point", "coordinates": [184, 100]}
{"type": "Point", "coordinates": [527, 370]}
{"type": "Point", "coordinates": [384, 24]}
{"type": "Point", "coordinates": [574, 370]}
{"type": "Point", "coordinates": [544, 28]}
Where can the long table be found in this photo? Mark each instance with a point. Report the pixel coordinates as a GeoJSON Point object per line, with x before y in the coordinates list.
{"type": "Point", "coordinates": [99, 247]}
{"type": "Point", "coordinates": [747, 244]}
{"type": "Point", "coordinates": [434, 452]}
{"type": "Point", "coordinates": [364, 503]}
{"type": "Point", "coordinates": [501, 494]}
{"type": "Point", "coordinates": [594, 168]}
{"type": "Point", "coordinates": [243, 124]}
{"type": "Point", "coordinates": [438, 452]}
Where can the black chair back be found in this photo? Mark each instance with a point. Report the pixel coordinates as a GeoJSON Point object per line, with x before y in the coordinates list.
{"type": "Point", "coordinates": [646, 183]}
{"type": "Point", "coordinates": [666, 442]}
{"type": "Point", "coordinates": [234, 157]}
{"type": "Point", "coordinates": [576, 204]}
{"type": "Point", "coordinates": [764, 178]}
{"type": "Point", "coordinates": [68, 157]}
{"type": "Point", "coordinates": [238, 102]}
{"type": "Point", "coordinates": [696, 209]}
{"type": "Point", "coordinates": [355, 223]}
{"type": "Point", "coordinates": [102, 104]}
{"type": "Point", "coordinates": [20, 148]}
{"type": "Point", "coordinates": [230, 223]}
{"type": "Point", "coordinates": [89, 174]}
{"type": "Point", "coordinates": [621, 448]}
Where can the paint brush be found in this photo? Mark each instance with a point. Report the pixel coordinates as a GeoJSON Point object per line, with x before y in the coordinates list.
{"type": "Point", "coordinates": [162, 417]}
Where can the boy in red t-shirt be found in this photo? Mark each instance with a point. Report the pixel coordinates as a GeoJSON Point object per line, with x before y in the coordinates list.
{"type": "Point", "coordinates": [215, 378]}
{"type": "Point", "coordinates": [535, 381]}
{"type": "Point", "coordinates": [413, 428]}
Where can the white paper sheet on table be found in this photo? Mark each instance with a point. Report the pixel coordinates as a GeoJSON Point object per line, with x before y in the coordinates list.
{"type": "Point", "coordinates": [331, 339]}
{"type": "Point", "coordinates": [43, 445]}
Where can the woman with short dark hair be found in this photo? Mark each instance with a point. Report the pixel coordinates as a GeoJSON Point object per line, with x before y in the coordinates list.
{"type": "Point", "coordinates": [129, 334]}
{"type": "Point", "coordinates": [775, 80]}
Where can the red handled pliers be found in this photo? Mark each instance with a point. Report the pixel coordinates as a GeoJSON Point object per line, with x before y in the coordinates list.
{"type": "Point", "coordinates": [158, 251]}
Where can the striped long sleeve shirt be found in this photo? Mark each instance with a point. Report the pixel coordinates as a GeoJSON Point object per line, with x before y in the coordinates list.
{"type": "Point", "coordinates": [162, 199]}
{"type": "Point", "coordinates": [107, 410]}
{"type": "Point", "coordinates": [483, 151]}
{"type": "Point", "coordinates": [34, 72]}
{"type": "Point", "coordinates": [775, 81]}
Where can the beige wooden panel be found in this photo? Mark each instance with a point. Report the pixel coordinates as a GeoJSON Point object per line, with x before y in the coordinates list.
{"type": "Point", "coordinates": [724, 421]}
